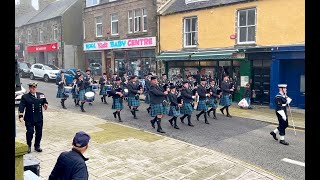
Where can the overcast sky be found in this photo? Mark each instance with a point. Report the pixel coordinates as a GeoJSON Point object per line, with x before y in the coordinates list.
{"type": "Point", "coordinates": [34, 3]}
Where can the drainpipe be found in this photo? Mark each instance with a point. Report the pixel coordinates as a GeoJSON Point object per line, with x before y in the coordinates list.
{"type": "Point", "coordinates": [62, 42]}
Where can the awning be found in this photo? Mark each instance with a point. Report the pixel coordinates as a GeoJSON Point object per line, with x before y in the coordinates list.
{"type": "Point", "coordinates": [200, 55]}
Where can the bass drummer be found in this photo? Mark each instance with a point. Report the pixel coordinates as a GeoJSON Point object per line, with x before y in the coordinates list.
{"type": "Point", "coordinates": [63, 88]}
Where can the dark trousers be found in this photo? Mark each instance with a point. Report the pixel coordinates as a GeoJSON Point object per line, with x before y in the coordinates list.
{"type": "Point", "coordinates": [283, 124]}
{"type": "Point", "coordinates": [31, 126]}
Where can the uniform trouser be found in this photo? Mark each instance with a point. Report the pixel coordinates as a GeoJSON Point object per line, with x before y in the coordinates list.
{"type": "Point", "coordinates": [30, 126]}
{"type": "Point", "coordinates": [283, 124]}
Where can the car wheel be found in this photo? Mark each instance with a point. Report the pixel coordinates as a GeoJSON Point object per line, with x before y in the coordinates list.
{"type": "Point", "coordinates": [31, 76]}
{"type": "Point", "coordinates": [46, 78]}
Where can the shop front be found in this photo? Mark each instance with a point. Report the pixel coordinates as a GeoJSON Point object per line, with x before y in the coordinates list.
{"type": "Point", "coordinates": [213, 64]}
{"type": "Point", "coordinates": [44, 53]}
{"type": "Point", "coordinates": [131, 56]}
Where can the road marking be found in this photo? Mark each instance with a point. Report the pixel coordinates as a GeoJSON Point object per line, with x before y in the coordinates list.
{"type": "Point", "coordinates": [293, 162]}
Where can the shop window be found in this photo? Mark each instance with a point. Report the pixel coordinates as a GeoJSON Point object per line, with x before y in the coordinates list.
{"type": "Point", "coordinates": [114, 24]}
{"type": "Point", "coordinates": [191, 63]}
{"type": "Point", "coordinates": [119, 54]}
{"type": "Point", "coordinates": [94, 62]}
{"type": "Point", "coordinates": [148, 53]}
{"type": "Point", "coordinates": [247, 26]}
{"type": "Point", "coordinates": [174, 72]}
{"type": "Point", "coordinates": [134, 54]}
{"type": "Point", "coordinates": [208, 63]}
{"type": "Point", "coordinates": [190, 31]}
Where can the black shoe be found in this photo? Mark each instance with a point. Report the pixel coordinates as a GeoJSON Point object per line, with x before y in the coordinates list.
{"type": "Point", "coordinates": [120, 120]}
{"type": "Point", "coordinates": [228, 115]}
{"type": "Point", "coordinates": [101, 99]}
{"type": "Point", "coordinates": [132, 112]}
{"type": "Point", "coordinates": [152, 123]}
{"type": "Point", "coordinates": [208, 113]}
{"type": "Point", "coordinates": [176, 127]}
{"type": "Point", "coordinates": [274, 135]}
{"type": "Point", "coordinates": [160, 131]}
{"type": "Point", "coordinates": [148, 109]}
{"type": "Point", "coordinates": [284, 142]}
{"type": "Point", "coordinates": [170, 121]}
{"type": "Point", "coordinates": [182, 120]}
{"type": "Point", "coordinates": [29, 149]}
{"type": "Point", "coordinates": [222, 111]}
{"type": "Point", "coordinates": [90, 104]}
{"type": "Point", "coordinates": [214, 117]}
{"type": "Point", "coordinates": [206, 122]}
{"type": "Point", "coordinates": [197, 117]}
{"type": "Point", "coordinates": [115, 115]}
{"type": "Point", "coordinates": [190, 125]}
{"type": "Point", "coordinates": [38, 149]}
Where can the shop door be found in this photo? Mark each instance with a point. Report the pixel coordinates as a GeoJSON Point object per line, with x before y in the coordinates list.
{"type": "Point", "coordinates": [261, 81]}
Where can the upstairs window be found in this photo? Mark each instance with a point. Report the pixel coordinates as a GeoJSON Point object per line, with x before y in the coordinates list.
{"type": "Point", "coordinates": [190, 31]}
{"type": "Point", "coordinates": [130, 21]}
{"type": "Point", "coordinates": [55, 33]}
{"type": "Point", "coordinates": [247, 26]}
{"type": "Point", "coordinates": [98, 27]}
{"type": "Point", "coordinates": [40, 35]}
{"type": "Point", "coordinates": [29, 36]}
{"type": "Point", "coordinates": [114, 24]}
{"type": "Point", "coordinates": [92, 2]}
{"type": "Point", "coordinates": [145, 20]}
{"type": "Point", "coordinates": [137, 20]}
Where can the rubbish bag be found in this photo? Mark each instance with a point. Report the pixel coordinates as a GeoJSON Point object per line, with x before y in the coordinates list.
{"type": "Point", "coordinates": [243, 103]}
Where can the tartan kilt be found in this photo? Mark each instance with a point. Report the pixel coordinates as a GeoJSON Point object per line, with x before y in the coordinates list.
{"type": "Point", "coordinates": [186, 108]}
{"type": "Point", "coordinates": [212, 104]}
{"type": "Point", "coordinates": [88, 89]}
{"type": "Point", "coordinates": [82, 95]}
{"type": "Point", "coordinates": [103, 90]}
{"type": "Point", "coordinates": [75, 95]}
{"type": "Point", "coordinates": [147, 98]}
{"type": "Point", "coordinates": [202, 106]}
{"type": "Point", "coordinates": [225, 100]}
{"type": "Point", "coordinates": [133, 102]}
{"type": "Point", "coordinates": [61, 94]}
{"type": "Point", "coordinates": [117, 103]}
{"type": "Point", "coordinates": [174, 112]}
{"type": "Point", "coordinates": [157, 109]}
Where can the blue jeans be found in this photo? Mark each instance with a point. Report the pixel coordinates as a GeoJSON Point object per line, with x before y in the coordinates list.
{"type": "Point", "coordinates": [248, 100]}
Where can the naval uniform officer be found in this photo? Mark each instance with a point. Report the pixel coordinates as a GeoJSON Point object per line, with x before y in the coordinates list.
{"type": "Point", "coordinates": [32, 104]}
{"type": "Point", "coordinates": [281, 101]}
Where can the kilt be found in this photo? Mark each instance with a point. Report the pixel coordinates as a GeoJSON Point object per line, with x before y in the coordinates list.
{"type": "Point", "coordinates": [147, 98]}
{"type": "Point", "coordinates": [212, 104]}
{"type": "Point", "coordinates": [103, 90]}
{"type": "Point", "coordinates": [174, 112]}
{"type": "Point", "coordinates": [186, 108]}
{"type": "Point", "coordinates": [117, 104]}
{"type": "Point", "coordinates": [225, 100]}
{"type": "Point", "coordinates": [202, 106]}
{"type": "Point", "coordinates": [157, 109]}
{"type": "Point", "coordinates": [61, 94]}
{"type": "Point", "coordinates": [133, 102]}
{"type": "Point", "coordinates": [75, 95]}
{"type": "Point", "coordinates": [88, 89]}
{"type": "Point", "coordinates": [82, 95]}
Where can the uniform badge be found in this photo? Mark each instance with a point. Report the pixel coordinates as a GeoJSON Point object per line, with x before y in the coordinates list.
{"type": "Point", "coordinates": [42, 96]}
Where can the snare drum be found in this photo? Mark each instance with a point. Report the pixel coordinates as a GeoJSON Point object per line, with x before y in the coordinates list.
{"type": "Point", "coordinates": [108, 88]}
{"type": "Point", "coordinates": [89, 96]}
{"type": "Point", "coordinates": [126, 92]}
{"type": "Point", "coordinates": [95, 87]}
{"type": "Point", "coordinates": [67, 89]}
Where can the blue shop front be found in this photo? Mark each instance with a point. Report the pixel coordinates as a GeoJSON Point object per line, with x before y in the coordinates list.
{"type": "Point", "coordinates": [288, 67]}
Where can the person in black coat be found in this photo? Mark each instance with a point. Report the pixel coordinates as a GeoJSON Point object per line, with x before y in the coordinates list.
{"type": "Point", "coordinates": [157, 97]}
{"type": "Point", "coordinates": [103, 81]}
{"type": "Point", "coordinates": [187, 97]}
{"type": "Point", "coordinates": [174, 107]}
{"type": "Point", "coordinates": [71, 164]}
{"type": "Point", "coordinates": [225, 99]}
{"type": "Point", "coordinates": [61, 82]}
{"type": "Point", "coordinates": [202, 106]}
{"type": "Point", "coordinates": [32, 104]}
{"type": "Point", "coordinates": [117, 94]}
{"type": "Point", "coordinates": [134, 91]}
{"type": "Point", "coordinates": [213, 90]}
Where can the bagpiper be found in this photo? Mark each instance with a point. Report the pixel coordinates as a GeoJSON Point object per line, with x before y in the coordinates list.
{"type": "Point", "coordinates": [202, 105]}
{"type": "Point", "coordinates": [117, 97]}
{"type": "Point", "coordinates": [187, 97]}
{"type": "Point", "coordinates": [157, 96]}
{"type": "Point", "coordinates": [213, 90]}
{"type": "Point", "coordinates": [226, 100]}
{"type": "Point", "coordinates": [103, 81]}
{"type": "Point", "coordinates": [146, 90]}
{"type": "Point", "coordinates": [175, 106]}
{"type": "Point", "coordinates": [281, 101]}
{"type": "Point", "coordinates": [82, 92]}
{"type": "Point", "coordinates": [61, 82]}
{"type": "Point", "coordinates": [134, 91]}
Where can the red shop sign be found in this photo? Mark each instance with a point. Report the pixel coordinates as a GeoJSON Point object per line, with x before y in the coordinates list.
{"type": "Point", "coordinates": [43, 47]}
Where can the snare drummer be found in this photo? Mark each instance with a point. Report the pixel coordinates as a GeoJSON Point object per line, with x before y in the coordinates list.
{"type": "Point", "coordinates": [88, 81]}
{"type": "Point", "coordinates": [61, 82]}
{"type": "Point", "coordinates": [103, 88]}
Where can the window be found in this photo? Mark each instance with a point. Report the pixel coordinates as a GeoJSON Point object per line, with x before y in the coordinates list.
{"type": "Point", "coordinates": [98, 27]}
{"type": "Point", "coordinates": [190, 32]}
{"type": "Point", "coordinates": [137, 20]}
{"type": "Point", "coordinates": [112, 0]}
{"type": "Point", "coordinates": [29, 37]}
{"type": "Point", "coordinates": [40, 35]}
{"type": "Point", "coordinates": [55, 33]}
{"type": "Point", "coordinates": [130, 22]}
{"type": "Point", "coordinates": [92, 2]}
{"type": "Point", "coordinates": [114, 24]}
{"type": "Point", "coordinates": [247, 26]}
{"type": "Point", "coordinates": [145, 20]}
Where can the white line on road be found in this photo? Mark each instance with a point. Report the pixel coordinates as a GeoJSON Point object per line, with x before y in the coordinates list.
{"type": "Point", "coordinates": [293, 162]}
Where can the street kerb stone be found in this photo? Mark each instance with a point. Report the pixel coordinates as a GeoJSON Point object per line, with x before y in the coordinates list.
{"type": "Point", "coordinates": [118, 151]}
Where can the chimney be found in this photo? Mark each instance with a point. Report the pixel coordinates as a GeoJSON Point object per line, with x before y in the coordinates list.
{"type": "Point", "coordinates": [24, 7]}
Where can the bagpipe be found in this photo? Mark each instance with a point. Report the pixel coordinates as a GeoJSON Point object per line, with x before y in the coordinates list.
{"type": "Point", "coordinates": [140, 87]}
{"type": "Point", "coordinates": [166, 101]}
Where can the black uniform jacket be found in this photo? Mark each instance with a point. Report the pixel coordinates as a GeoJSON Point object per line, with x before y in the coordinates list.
{"type": "Point", "coordinates": [156, 94]}
{"type": "Point", "coordinates": [281, 103]}
{"type": "Point", "coordinates": [60, 85]}
{"type": "Point", "coordinates": [202, 91]}
{"type": "Point", "coordinates": [102, 81]}
{"type": "Point", "coordinates": [32, 106]}
{"type": "Point", "coordinates": [132, 89]}
{"type": "Point", "coordinates": [86, 80]}
{"type": "Point", "coordinates": [225, 88]}
{"type": "Point", "coordinates": [173, 99]}
{"type": "Point", "coordinates": [186, 95]}
{"type": "Point", "coordinates": [80, 84]}
{"type": "Point", "coordinates": [214, 91]}
{"type": "Point", "coordinates": [148, 84]}
{"type": "Point", "coordinates": [114, 90]}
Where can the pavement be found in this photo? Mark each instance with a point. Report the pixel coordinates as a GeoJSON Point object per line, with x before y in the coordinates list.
{"type": "Point", "coordinates": [117, 151]}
